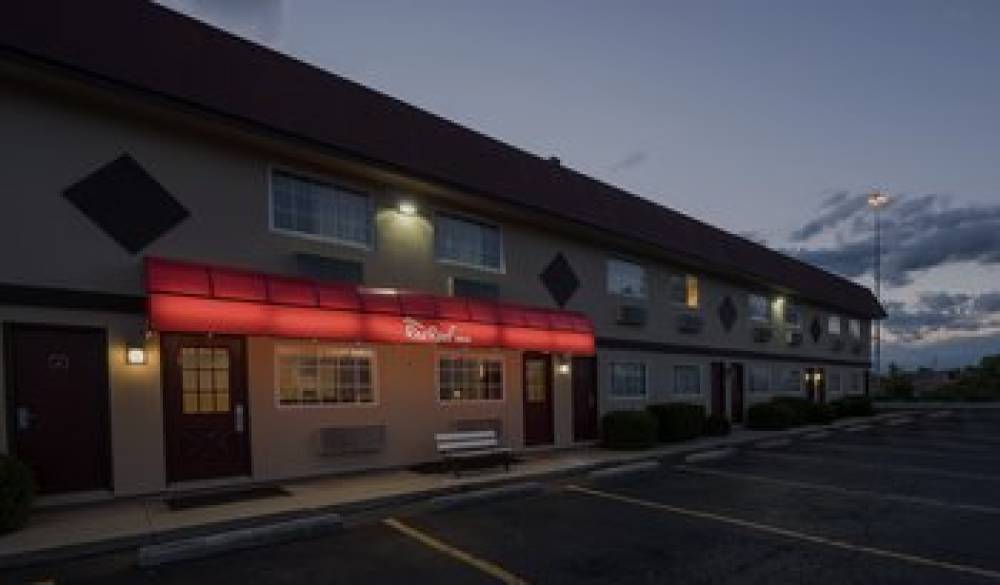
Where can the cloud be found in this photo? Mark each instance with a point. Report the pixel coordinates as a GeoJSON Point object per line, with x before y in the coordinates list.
{"type": "Point", "coordinates": [918, 233]}
{"type": "Point", "coordinates": [259, 20]}
{"type": "Point", "coordinates": [633, 159]}
{"type": "Point", "coordinates": [943, 315]}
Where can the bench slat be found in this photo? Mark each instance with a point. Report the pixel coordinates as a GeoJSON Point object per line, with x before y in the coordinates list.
{"type": "Point", "coordinates": [466, 435]}
{"type": "Point", "coordinates": [455, 446]}
{"type": "Point", "coordinates": [479, 453]}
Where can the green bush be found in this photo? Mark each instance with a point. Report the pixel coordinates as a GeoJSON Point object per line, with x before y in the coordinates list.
{"type": "Point", "coordinates": [17, 490]}
{"type": "Point", "coordinates": [771, 416]}
{"type": "Point", "coordinates": [716, 426]}
{"type": "Point", "coordinates": [800, 408]}
{"type": "Point", "coordinates": [628, 429]}
{"type": "Point", "coordinates": [678, 421]}
{"type": "Point", "coordinates": [821, 413]}
{"type": "Point", "coordinates": [853, 406]}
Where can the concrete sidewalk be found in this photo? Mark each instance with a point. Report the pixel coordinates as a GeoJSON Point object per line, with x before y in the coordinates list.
{"type": "Point", "coordinates": [59, 533]}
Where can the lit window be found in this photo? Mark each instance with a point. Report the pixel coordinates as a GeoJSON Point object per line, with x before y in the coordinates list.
{"type": "Point", "coordinates": [854, 328]}
{"type": "Point", "coordinates": [684, 290]}
{"type": "Point", "coordinates": [626, 278]}
{"type": "Point", "coordinates": [793, 316]}
{"type": "Point", "coordinates": [759, 379]}
{"type": "Point", "coordinates": [307, 207]}
{"type": "Point", "coordinates": [204, 380]}
{"type": "Point", "coordinates": [466, 242]}
{"type": "Point", "coordinates": [628, 380]}
{"type": "Point", "coordinates": [758, 308]}
{"type": "Point", "coordinates": [317, 375]}
{"type": "Point", "coordinates": [470, 378]}
{"type": "Point", "coordinates": [687, 380]}
{"type": "Point", "coordinates": [833, 325]}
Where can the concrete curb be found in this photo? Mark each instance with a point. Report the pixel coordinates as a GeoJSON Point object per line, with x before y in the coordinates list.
{"type": "Point", "coordinates": [472, 497]}
{"type": "Point", "coordinates": [857, 428]}
{"type": "Point", "coordinates": [895, 422]}
{"type": "Point", "coordinates": [623, 470]}
{"type": "Point", "coordinates": [711, 455]}
{"type": "Point", "coordinates": [772, 443]}
{"type": "Point", "coordinates": [212, 544]}
{"type": "Point", "coordinates": [816, 435]}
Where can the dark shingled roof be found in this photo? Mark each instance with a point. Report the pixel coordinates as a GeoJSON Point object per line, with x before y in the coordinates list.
{"type": "Point", "coordinates": [150, 48]}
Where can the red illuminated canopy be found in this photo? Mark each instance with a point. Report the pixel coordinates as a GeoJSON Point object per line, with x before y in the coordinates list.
{"type": "Point", "coordinates": [196, 298]}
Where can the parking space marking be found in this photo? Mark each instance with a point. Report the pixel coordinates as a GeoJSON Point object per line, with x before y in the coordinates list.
{"type": "Point", "coordinates": [881, 466]}
{"type": "Point", "coordinates": [793, 534]}
{"type": "Point", "coordinates": [431, 542]}
{"type": "Point", "coordinates": [839, 489]}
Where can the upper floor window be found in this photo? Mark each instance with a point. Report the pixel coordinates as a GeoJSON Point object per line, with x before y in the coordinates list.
{"type": "Point", "coordinates": [308, 207]}
{"type": "Point", "coordinates": [833, 325]}
{"type": "Point", "coordinates": [467, 242]}
{"type": "Point", "coordinates": [687, 380]}
{"type": "Point", "coordinates": [628, 380]}
{"type": "Point", "coordinates": [759, 308]}
{"type": "Point", "coordinates": [626, 278]}
{"type": "Point", "coordinates": [854, 328]}
{"type": "Point", "coordinates": [684, 290]}
{"type": "Point", "coordinates": [793, 315]}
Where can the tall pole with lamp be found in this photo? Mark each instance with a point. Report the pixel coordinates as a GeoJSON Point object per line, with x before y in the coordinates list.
{"type": "Point", "coordinates": [877, 200]}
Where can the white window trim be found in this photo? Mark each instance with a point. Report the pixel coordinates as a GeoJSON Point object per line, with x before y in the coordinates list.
{"type": "Point", "coordinates": [368, 247]}
{"type": "Point", "coordinates": [840, 325]}
{"type": "Point", "coordinates": [502, 269]}
{"type": "Point", "coordinates": [611, 382]}
{"type": "Point", "coordinates": [767, 304]}
{"type": "Point", "coordinates": [790, 306]}
{"type": "Point", "coordinates": [324, 405]}
{"type": "Point", "coordinates": [701, 380]}
{"type": "Point", "coordinates": [769, 387]}
{"type": "Point", "coordinates": [477, 356]}
{"type": "Point", "coordinates": [683, 305]}
{"type": "Point", "coordinates": [645, 278]}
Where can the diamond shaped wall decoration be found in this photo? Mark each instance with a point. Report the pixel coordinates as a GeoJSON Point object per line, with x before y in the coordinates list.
{"type": "Point", "coordinates": [560, 280]}
{"type": "Point", "coordinates": [727, 313]}
{"type": "Point", "coordinates": [815, 329]}
{"type": "Point", "coordinates": [129, 205]}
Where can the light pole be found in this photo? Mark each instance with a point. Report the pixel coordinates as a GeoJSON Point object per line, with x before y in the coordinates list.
{"type": "Point", "coordinates": [877, 200]}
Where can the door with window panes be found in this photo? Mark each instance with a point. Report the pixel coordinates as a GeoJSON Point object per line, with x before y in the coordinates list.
{"type": "Point", "coordinates": [538, 424]}
{"type": "Point", "coordinates": [205, 407]}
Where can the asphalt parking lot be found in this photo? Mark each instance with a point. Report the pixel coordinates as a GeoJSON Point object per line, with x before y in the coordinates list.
{"type": "Point", "coordinates": [915, 502]}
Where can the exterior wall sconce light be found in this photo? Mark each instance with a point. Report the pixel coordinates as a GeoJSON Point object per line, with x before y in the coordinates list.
{"type": "Point", "coordinates": [563, 365]}
{"type": "Point", "coordinates": [407, 207]}
{"type": "Point", "coordinates": [135, 354]}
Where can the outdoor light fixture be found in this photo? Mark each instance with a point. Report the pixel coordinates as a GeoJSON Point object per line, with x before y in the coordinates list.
{"type": "Point", "coordinates": [407, 207]}
{"type": "Point", "coordinates": [135, 355]}
{"type": "Point", "coordinates": [563, 368]}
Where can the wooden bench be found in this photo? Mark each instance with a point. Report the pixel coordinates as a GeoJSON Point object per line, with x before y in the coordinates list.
{"type": "Point", "coordinates": [467, 446]}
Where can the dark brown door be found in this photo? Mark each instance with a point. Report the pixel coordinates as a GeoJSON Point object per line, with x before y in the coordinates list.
{"type": "Point", "coordinates": [205, 407]}
{"type": "Point", "coordinates": [584, 374]}
{"type": "Point", "coordinates": [811, 384]}
{"type": "Point", "coordinates": [58, 394]}
{"type": "Point", "coordinates": [538, 426]}
{"type": "Point", "coordinates": [819, 381]}
{"type": "Point", "coordinates": [736, 402]}
{"type": "Point", "coordinates": [718, 389]}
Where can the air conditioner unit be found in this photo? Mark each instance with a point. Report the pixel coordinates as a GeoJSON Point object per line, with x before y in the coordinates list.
{"type": "Point", "coordinates": [762, 334]}
{"type": "Point", "coordinates": [631, 315]}
{"type": "Point", "coordinates": [794, 337]}
{"type": "Point", "coordinates": [689, 323]}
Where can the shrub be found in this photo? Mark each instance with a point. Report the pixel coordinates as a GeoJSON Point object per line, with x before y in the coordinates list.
{"type": "Point", "coordinates": [716, 426]}
{"type": "Point", "coordinates": [820, 413]}
{"type": "Point", "coordinates": [800, 408]}
{"type": "Point", "coordinates": [628, 429]}
{"type": "Point", "coordinates": [853, 406]}
{"type": "Point", "coordinates": [771, 416]}
{"type": "Point", "coordinates": [678, 421]}
{"type": "Point", "coordinates": [17, 490]}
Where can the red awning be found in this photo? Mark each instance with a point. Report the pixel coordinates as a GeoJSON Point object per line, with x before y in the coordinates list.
{"type": "Point", "coordinates": [195, 298]}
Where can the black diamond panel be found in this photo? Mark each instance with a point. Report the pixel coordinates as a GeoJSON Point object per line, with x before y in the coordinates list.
{"type": "Point", "coordinates": [560, 280]}
{"type": "Point", "coordinates": [127, 203]}
{"type": "Point", "coordinates": [815, 330]}
{"type": "Point", "coordinates": [727, 313]}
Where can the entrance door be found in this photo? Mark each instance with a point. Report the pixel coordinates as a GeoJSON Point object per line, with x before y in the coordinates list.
{"type": "Point", "coordinates": [819, 382]}
{"type": "Point", "coordinates": [57, 384]}
{"type": "Point", "coordinates": [584, 374]}
{"type": "Point", "coordinates": [718, 388]}
{"type": "Point", "coordinates": [538, 426]}
{"type": "Point", "coordinates": [736, 400]}
{"type": "Point", "coordinates": [204, 401]}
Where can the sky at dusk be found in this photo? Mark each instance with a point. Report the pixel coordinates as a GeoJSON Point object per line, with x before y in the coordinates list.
{"type": "Point", "coordinates": [771, 120]}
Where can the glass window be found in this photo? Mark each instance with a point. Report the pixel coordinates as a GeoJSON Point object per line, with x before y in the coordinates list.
{"type": "Point", "coordinates": [324, 375]}
{"type": "Point", "coordinates": [758, 308]}
{"type": "Point", "coordinates": [856, 384]}
{"type": "Point", "coordinates": [628, 380]}
{"type": "Point", "coordinates": [759, 379]}
{"type": "Point", "coordinates": [204, 380]}
{"type": "Point", "coordinates": [687, 380]}
{"type": "Point", "coordinates": [833, 325]}
{"type": "Point", "coordinates": [470, 378]}
{"type": "Point", "coordinates": [833, 382]}
{"type": "Point", "coordinates": [467, 242]}
{"type": "Point", "coordinates": [626, 278]}
{"type": "Point", "coordinates": [317, 209]}
{"type": "Point", "coordinates": [793, 316]}
{"type": "Point", "coordinates": [854, 328]}
{"type": "Point", "coordinates": [791, 380]}
{"type": "Point", "coordinates": [684, 290]}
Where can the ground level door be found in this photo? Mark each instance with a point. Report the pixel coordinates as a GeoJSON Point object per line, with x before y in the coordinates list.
{"type": "Point", "coordinates": [538, 411]}
{"type": "Point", "coordinates": [57, 385]}
{"type": "Point", "coordinates": [584, 372]}
{"type": "Point", "coordinates": [205, 407]}
{"type": "Point", "coordinates": [816, 384]}
{"type": "Point", "coordinates": [736, 394]}
{"type": "Point", "coordinates": [718, 389]}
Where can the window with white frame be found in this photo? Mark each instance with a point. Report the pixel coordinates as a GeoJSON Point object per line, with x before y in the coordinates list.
{"type": "Point", "coordinates": [758, 308]}
{"type": "Point", "coordinates": [627, 279]}
{"type": "Point", "coordinates": [793, 316]}
{"type": "Point", "coordinates": [470, 378]}
{"type": "Point", "coordinates": [684, 290]}
{"type": "Point", "coordinates": [628, 380]}
{"type": "Point", "coordinates": [467, 242]}
{"type": "Point", "coordinates": [687, 380]}
{"type": "Point", "coordinates": [324, 375]}
{"type": "Point", "coordinates": [833, 325]}
{"type": "Point", "coordinates": [854, 328]}
{"type": "Point", "coordinates": [791, 380]}
{"type": "Point", "coordinates": [833, 382]}
{"type": "Point", "coordinates": [759, 379]}
{"type": "Point", "coordinates": [315, 209]}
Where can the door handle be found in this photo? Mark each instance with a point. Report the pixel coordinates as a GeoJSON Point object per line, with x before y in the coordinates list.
{"type": "Point", "coordinates": [238, 413]}
{"type": "Point", "coordinates": [24, 418]}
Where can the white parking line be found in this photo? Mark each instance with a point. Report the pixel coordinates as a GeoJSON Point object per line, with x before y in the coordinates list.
{"type": "Point", "coordinates": [881, 466]}
{"type": "Point", "coordinates": [792, 534]}
{"type": "Point", "coordinates": [840, 490]}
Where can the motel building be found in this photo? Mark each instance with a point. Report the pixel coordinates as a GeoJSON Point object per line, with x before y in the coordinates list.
{"type": "Point", "coordinates": [220, 265]}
